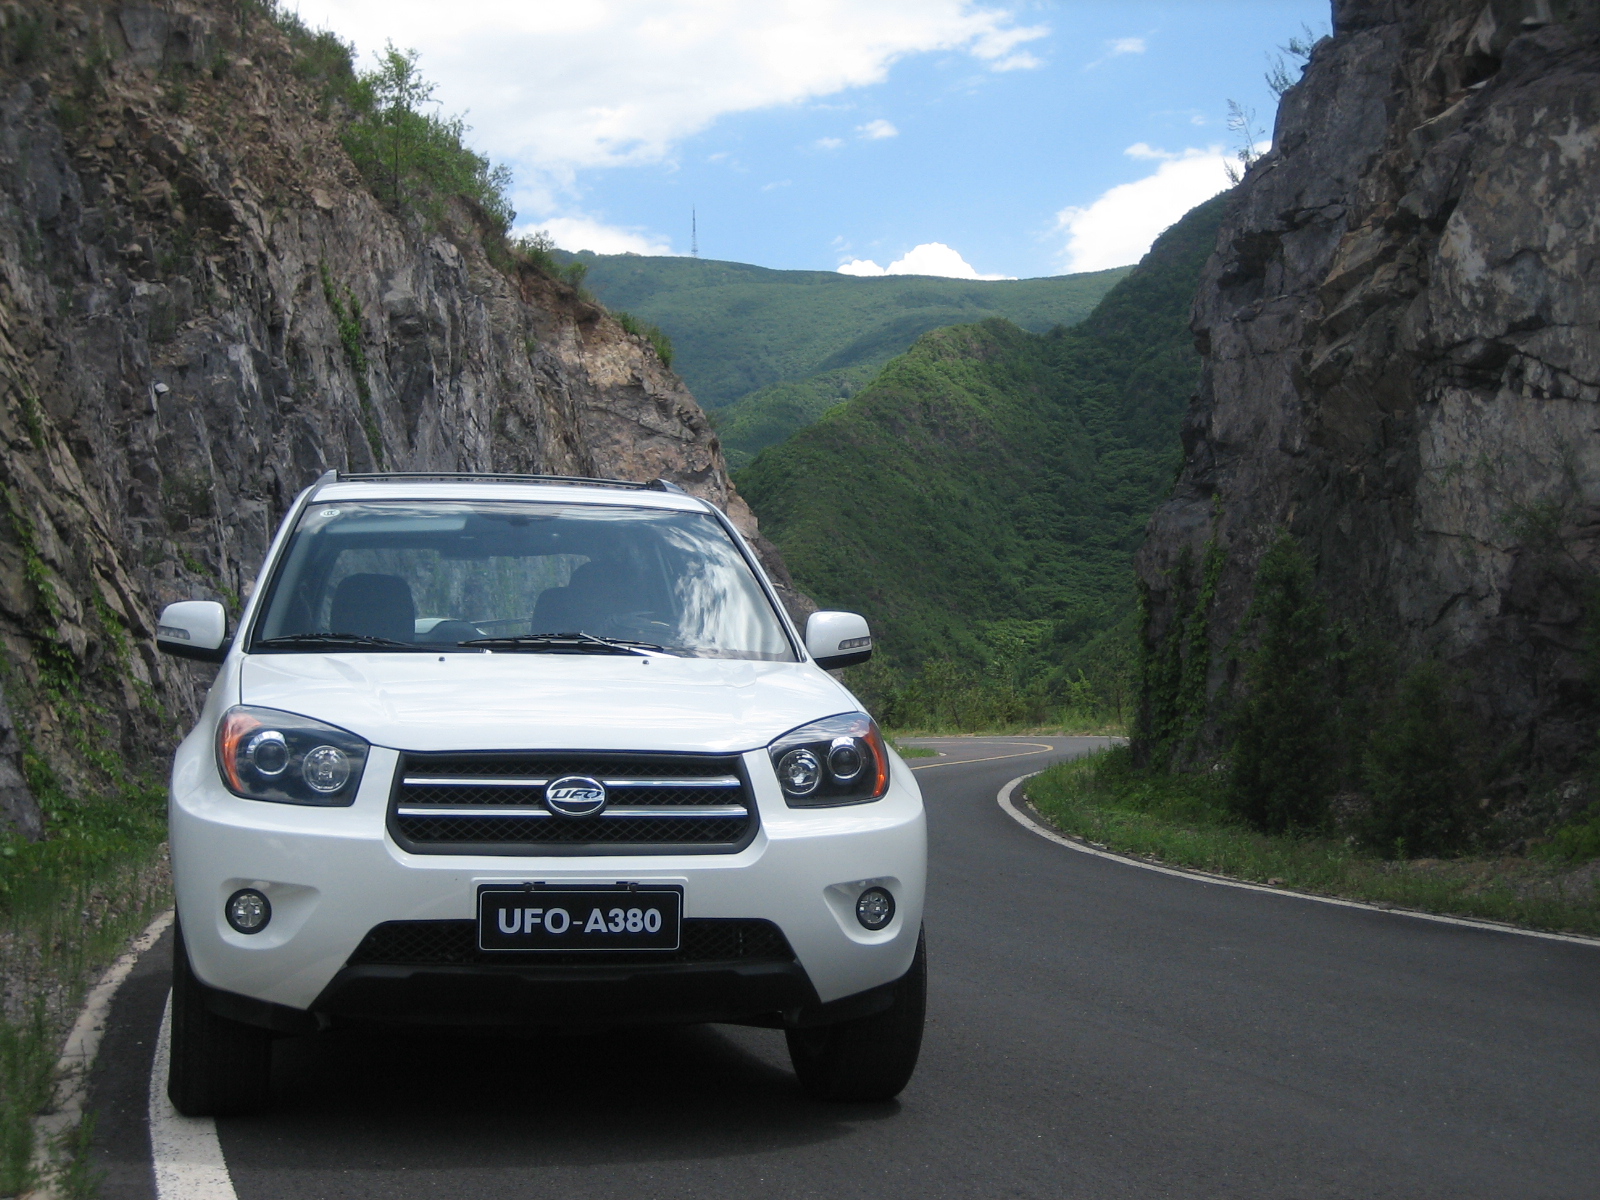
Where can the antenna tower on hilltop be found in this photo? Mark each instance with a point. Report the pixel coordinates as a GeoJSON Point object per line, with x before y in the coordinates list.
{"type": "Point", "coordinates": [694, 234]}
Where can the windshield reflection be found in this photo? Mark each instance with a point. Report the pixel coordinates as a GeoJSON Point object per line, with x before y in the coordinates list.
{"type": "Point", "coordinates": [425, 576]}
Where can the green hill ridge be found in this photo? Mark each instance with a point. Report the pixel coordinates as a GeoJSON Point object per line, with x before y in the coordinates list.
{"type": "Point", "coordinates": [768, 352]}
{"type": "Point", "coordinates": [981, 499]}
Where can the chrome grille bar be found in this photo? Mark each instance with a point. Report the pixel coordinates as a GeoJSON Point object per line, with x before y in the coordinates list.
{"type": "Point", "coordinates": [615, 810]}
{"type": "Point", "coordinates": [500, 781]}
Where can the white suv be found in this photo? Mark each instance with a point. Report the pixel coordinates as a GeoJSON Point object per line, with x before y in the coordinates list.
{"type": "Point", "coordinates": [534, 751]}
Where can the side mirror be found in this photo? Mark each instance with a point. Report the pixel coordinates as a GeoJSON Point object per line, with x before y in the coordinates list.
{"type": "Point", "coordinates": [838, 639]}
{"type": "Point", "coordinates": [194, 629]}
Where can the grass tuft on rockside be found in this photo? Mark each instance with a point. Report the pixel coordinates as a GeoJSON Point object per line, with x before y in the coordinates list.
{"type": "Point", "coordinates": [1183, 821]}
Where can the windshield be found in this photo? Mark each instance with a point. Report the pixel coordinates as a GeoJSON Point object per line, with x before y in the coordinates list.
{"type": "Point", "coordinates": [425, 575]}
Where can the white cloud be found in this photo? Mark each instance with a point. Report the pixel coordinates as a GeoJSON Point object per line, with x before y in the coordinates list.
{"type": "Point", "coordinates": [586, 233]}
{"type": "Point", "coordinates": [776, 184]}
{"type": "Point", "coordinates": [874, 130]}
{"type": "Point", "coordinates": [1117, 47]}
{"type": "Point", "coordinates": [999, 48]}
{"type": "Point", "coordinates": [558, 87]}
{"type": "Point", "coordinates": [1118, 227]}
{"type": "Point", "coordinates": [828, 143]}
{"type": "Point", "coordinates": [930, 258]}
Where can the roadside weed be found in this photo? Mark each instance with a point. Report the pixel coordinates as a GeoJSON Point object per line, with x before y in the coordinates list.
{"type": "Point", "coordinates": [1186, 821]}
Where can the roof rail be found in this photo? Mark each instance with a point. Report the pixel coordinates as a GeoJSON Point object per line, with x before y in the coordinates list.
{"type": "Point", "coordinates": [654, 485]}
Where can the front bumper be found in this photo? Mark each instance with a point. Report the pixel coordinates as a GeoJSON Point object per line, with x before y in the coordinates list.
{"type": "Point", "coordinates": [334, 874]}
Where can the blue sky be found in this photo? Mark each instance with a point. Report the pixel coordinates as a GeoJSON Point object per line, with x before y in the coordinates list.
{"type": "Point", "coordinates": [816, 133]}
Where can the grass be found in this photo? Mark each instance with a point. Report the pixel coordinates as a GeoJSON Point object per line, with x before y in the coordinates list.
{"type": "Point", "coordinates": [68, 907]}
{"type": "Point", "coordinates": [1183, 822]}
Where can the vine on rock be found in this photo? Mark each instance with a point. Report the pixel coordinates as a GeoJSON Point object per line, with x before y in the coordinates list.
{"type": "Point", "coordinates": [347, 318]}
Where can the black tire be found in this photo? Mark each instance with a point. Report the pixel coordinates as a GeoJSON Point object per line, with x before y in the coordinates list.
{"type": "Point", "coordinates": [219, 1068]}
{"type": "Point", "coordinates": [871, 1058]}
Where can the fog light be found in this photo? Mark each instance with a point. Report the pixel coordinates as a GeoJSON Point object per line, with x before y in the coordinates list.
{"type": "Point", "coordinates": [248, 911]}
{"type": "Point", "coordinates": [874, 908]}
{"type": "Point", "coordinates": [799, 772]}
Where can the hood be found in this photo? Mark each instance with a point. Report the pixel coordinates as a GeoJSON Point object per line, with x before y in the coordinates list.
{"type": "Point", "coordinates": [545, 701]}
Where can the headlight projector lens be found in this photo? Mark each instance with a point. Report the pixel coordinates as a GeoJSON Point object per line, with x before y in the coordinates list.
{"type": "Point", "coordinates": [248, 911]}
{"type": "Point", "coordinates": [874, 908]}
{"type": "Point", "coordinates": [845, 759]}
{"type": "Point", "coordinates": [268, 752]}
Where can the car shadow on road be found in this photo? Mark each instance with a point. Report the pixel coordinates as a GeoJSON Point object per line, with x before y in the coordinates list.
{"type": "Point", "coordinates": [431, 1100]}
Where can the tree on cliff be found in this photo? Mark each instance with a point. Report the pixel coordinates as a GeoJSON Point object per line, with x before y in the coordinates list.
{"type": "Point", "coordinates": [1282, 757]}
{"type": "Point", "coordinates": [414, 159]}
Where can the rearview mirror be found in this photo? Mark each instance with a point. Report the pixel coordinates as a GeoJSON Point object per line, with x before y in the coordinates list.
{"type": "Point", "coordinates": [838, 639]}
{"type": "Point", "coordinates": [194, 629]}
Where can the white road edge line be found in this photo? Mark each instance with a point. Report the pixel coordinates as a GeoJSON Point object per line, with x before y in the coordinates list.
{"type": "Point", "coordinates": [1028, 822]}
{"type": "Point", "coordinates": [184, 1151]}
{"type": "Point", "coordinates": [78, 1055]}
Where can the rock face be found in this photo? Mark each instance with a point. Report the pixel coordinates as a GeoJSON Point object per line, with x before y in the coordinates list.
{"type": "Point", "coordinates": [202, 308]}
{"type": "Point", "coordinates": [1401, 339]}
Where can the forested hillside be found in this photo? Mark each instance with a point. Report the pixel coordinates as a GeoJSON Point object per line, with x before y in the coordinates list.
{"type": "Point", "coordinates": [982, 499]}
{"type": "Point", "coordinates": [770, 351]}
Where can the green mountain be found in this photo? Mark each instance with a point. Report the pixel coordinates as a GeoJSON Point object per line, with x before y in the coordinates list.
{"type": "Point", "coordinates": [986, 491]}
{"type": "Point", "coordinates": [769, 351]}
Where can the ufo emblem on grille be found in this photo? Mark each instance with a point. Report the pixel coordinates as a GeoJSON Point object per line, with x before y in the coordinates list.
{"type": "Point", "coordinates": [575, 796]}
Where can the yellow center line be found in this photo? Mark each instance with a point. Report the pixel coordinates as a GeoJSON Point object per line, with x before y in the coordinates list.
{"type": "Point", "coordinates": [1043, 747]}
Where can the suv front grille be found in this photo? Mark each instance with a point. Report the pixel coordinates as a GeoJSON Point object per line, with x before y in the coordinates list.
{"type": "Point", "coordinates": [493, 803]}
{"type": "Point", "coordinates": [434, 943]}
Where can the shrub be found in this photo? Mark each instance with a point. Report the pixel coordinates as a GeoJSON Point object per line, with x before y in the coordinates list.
{"type": "Point", "coordinates": [537, 250]}
{"type": "Point", "coordinates": [1577, 841]}
{"type": "Point", "coordinates": [1283, 753]}
{"type": "Point", "coordinates": [1419, 771]}
{"type": "Point", "coordinates": [659, 341]}
{"type": "Point", "coordinates": [414, 159]}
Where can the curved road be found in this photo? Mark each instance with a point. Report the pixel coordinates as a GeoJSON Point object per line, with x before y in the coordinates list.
{"type": "Point", "coordinates": [1095, 1030]}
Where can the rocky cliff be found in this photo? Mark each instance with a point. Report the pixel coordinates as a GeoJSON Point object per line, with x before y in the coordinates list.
{"type": "Point", "coordinates": [1401, 339]}
{"type": "Point", "coordinates": [202, 307]}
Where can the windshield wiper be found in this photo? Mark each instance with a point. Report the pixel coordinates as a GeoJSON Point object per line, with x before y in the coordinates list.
{"type": "Point", "coordinates": [347, 640]}
{"type": "Point", "coordinates": [563, 643]}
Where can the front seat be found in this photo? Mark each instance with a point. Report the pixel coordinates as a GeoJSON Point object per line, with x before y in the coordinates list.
{"type": "Point", "coordinates": [374, 606]}
{"type": "Point", "coordinates": [597, 592]}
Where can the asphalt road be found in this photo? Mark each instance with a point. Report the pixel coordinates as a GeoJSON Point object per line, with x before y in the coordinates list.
{"type": "Point", "coordinates": [1095, 1030]}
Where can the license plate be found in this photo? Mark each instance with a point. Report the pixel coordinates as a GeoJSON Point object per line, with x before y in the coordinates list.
{"type": "Point", "coordinates": [579, 918]}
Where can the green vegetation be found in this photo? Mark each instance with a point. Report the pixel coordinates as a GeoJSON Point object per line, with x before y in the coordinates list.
{"type": "Point", "coordinates": [769, 415]}
{"type": "Point", "coordinates": [413, 160]}
{"type": "Point", "coordinates": [1186, 819]}
{"type": "Point", "coordinates": [69, 902]}
{"type": "Point", "coordinates": [742, 333]}
{"type": "Point", "coordinates": [980, 502]}
{"type": "Point", "coordinates": [1322, 729]}
{"type": "Point", "coordinates": [631, 324]}
{"type": "Point", "coordinates": [1282, 760]}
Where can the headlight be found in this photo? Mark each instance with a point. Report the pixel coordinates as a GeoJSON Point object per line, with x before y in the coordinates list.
{"type": "Point", "coordinates": [837, 760]}
{"type": "Point", "coordinates": [264, 754]}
